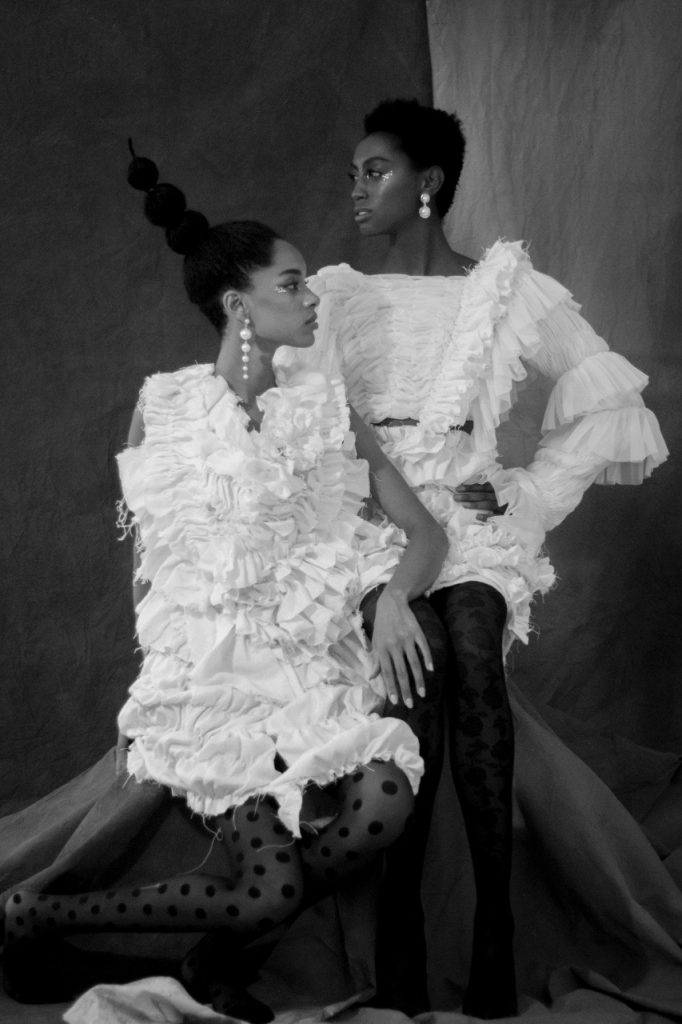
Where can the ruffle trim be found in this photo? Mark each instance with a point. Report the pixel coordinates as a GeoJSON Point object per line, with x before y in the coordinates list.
{"type": "Point", "coordinates": [503, 303]}
{"type": "Point", "coordinates": [629, 439]}
{"type": "Point", "coordinates": [258, 528]}
{"type": "Point", "coordinates": [333, 285]}
{"type": "Point", "coordinates": [600, 381]}
{"type": "Point", "coordinates": [499, 552]}
{"type": "Point", "coordinates": [236, 764]}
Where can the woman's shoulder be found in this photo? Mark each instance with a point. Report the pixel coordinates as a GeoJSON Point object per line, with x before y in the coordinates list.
{"type": "Point", "coordinates": [159, 389]}
{"type": "Point", "coordinates": [334, 270]}
{"type": "Point", "coordinates": [504, 255]}
{"type": "Point", "coordinates": [164, 383]}
{"type": "Point", "coordinates": [511, 264]}
{"type": "Point", "coordinates": [337, 278]}
{"type": "Point", "coordinates": [506, 279]}
{"type": "Point", "coordinates": [182, 377]}
{"type": "Point", "coordinates": [174, 390]}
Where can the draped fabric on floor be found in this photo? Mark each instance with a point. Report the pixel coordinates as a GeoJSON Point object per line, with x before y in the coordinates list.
{"type": "Point", "coordinates": [570, 115]}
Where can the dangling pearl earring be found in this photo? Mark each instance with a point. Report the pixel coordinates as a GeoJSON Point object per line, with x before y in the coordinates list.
{"type": "Point", "coordinates": [424, 209]}
{"type": "Point", "coordinates": [246, 334]}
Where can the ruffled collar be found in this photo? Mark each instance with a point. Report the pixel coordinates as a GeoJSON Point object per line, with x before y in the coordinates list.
{"type": "Point", "coordinates": [298, 421]}
{"type": "Point", "coordinates": [463, 386]}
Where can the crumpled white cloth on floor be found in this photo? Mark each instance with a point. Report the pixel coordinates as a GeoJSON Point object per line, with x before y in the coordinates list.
{"type": "Point", "coordinates": [148, 1001]}
{"type": "Point", "coordinates": [163, 1000]}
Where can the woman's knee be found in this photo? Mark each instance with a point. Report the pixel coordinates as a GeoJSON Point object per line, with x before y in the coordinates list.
{"type": "Point", "coordinates": [382, 800]}
{"type": "Point", "coordinates": [472, 596]}
{"type": "Point", "coordinates": [436, 637]}
{"type": "Point", "coordinates": [474, 615]}
{"type": "Point", "coordinates": [273, 900]}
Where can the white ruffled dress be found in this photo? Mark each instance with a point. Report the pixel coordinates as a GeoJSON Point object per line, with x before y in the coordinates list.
{"type": "Point", "coordinates": [257, 559]}
{"type": "Point", "coordinates": [448, 352]}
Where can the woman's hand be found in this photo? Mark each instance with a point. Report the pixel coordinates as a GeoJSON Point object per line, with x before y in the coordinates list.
{"type": "Point", "coordinates": [480, 496]}
{"type": "Point", "coordinates": [397, 642]}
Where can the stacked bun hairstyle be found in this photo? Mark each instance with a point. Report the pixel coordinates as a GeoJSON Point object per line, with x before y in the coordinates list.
{"type": "Point", "coordinates": [215, 258]}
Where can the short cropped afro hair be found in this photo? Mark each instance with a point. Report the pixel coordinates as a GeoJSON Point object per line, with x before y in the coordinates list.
{"type": "Point", "coordinates": [429, 137]}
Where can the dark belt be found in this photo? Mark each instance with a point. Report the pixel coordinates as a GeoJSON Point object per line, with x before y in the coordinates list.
{"type": "Point", "coordinates": [390, 421]}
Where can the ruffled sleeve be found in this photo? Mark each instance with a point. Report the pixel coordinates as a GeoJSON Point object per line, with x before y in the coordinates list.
{"type": "Point", "coordinates": [333, 286]}
{"type": "Point", "coordinates": [596, 428]}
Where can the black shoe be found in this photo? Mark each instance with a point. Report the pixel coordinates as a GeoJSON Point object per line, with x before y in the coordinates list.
{"type": "Point", "coordinates": [217, 971]}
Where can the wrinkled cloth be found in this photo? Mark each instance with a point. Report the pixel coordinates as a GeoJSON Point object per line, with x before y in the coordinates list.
{"type": "Point", "coordinates": [594, 903]}
{"type": "Point", "coordinates": [450, 353]}
{"type": "Point", "coordinates": [257, 559]}
{"type": "Point", "coordinates": [153, 1000]}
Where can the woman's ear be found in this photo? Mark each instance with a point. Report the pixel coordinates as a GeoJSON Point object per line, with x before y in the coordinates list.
{"type": "Point", "coordinates": [433, 179]}
{"type": "Point", "coordinates": [232, 304]}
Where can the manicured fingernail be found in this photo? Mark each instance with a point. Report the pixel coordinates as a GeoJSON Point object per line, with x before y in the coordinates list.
{"type": "Point", "coordinates": [422, 693]}
{"type": "Point", "coordinates": [429, 665]}
{"type": "Point", "coordinates": [393, 699]}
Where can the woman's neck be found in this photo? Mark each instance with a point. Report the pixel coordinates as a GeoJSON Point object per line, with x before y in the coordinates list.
{"type": "Point", "coordinates": [261, 375]}
{"type": "Point", "coordinates": [420, 248]}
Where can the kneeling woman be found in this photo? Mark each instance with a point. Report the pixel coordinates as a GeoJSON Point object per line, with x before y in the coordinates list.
{"type": "Point", "coordinates": [256, 681]}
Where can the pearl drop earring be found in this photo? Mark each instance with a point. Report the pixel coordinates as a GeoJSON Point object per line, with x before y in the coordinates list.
{"type": "Point", "coordinates": [246, 334]}
{"type": "Point", "coordinates": [424, 209]}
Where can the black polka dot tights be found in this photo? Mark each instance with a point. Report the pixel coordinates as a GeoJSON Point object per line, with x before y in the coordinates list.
{"type": "Point", "coordinates": [269, 879]}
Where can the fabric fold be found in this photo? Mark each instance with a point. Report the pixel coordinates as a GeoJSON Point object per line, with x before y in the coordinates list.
{"type": "Point", "coordinates": [446, 356]}
{"type": "Point", "coordinates": [599, 381]}
{"type": "Point", "coordinates": [253, 544]}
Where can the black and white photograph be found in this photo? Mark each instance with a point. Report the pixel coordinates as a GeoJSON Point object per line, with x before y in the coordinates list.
{"type": "Point", "coordinates": [341, 412]}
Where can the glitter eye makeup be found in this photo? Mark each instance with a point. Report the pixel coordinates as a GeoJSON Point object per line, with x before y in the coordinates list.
{"type": "Point", "coordinates": [370, 176]}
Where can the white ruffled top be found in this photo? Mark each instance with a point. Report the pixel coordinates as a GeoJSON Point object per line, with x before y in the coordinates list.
{"type": "Point", "coordinates": [257, 559]}
{"type": "Point", "coordinates": [448, 352]}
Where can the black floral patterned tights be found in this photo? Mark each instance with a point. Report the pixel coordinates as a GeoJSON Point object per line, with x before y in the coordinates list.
{"type": "Point", "coordinates": [463, 625]}
{"type": "Point", "coordinates": [401, 948]}
{"type": "Point", "coordinates": [482, 763]}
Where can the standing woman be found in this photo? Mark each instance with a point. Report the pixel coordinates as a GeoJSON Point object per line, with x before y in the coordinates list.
{"type": "Point", "coordinates": [431, 349]}
{"type": "Point", "coordinates": [256, 682]}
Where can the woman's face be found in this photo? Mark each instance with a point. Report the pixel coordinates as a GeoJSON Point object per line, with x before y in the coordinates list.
{"type": "Point", "coordinates": [279, 302]}
{"type": "Point", "coordinates": [386, 185]}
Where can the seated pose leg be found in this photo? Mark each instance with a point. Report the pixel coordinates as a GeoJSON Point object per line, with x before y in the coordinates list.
{"type": "Point", "coordinates": [267, 888]}
{"type": "Point", "coordinates": [375, 805]}
{"type": "Point", "coordinates": [482, 762]}
{"type": "Point", "coordinates": [400, 946]}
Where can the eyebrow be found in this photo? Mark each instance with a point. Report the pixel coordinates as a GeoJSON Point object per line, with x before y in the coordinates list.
{"type": "Point", "coordinates": [292, 270]}
{"type": "Point", "coordinates": [383, 159]}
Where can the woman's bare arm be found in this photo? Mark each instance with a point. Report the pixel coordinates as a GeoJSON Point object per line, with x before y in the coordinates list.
{"type": "Point", "coordinates": [135, 438]}
{"type": "Point", "coordinates": [397, 636]}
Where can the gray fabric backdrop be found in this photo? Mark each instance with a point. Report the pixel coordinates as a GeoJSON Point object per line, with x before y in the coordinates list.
{"type": "Point", "coordinates": [572, 115]}
{"type": "Point", "coordinates": [253, 109]}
